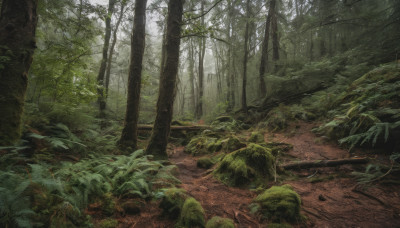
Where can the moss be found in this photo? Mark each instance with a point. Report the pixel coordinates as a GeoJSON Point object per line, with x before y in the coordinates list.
{"type": "Point", "coordinates": [256, 137]}
{"type": "Point", "coordinates": [279, 204]}
{"type": "Point", "coordinates": [251, 164]}
{"type": "Point", "coordinates": [276, 147]}
{"type": "Point", "coordinates": [201, 145]}
{"type": "Point", "coordinates": [192, 214]}
{"type": "Point", "coordinates": [108, 223]}
{"type": "Point", "coordinates": [205, 162]}
{"type": "Point", "coordinates": [214, 146]}
{"type": "Point", "coordinates": [233, 143]}
{"type": "Point", "coordinates": [218, 222]}
{"type": "Point", "coordinates": [173, 201]}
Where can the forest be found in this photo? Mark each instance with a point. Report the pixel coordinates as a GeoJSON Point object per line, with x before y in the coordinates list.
{"type": "Point", "coordinates": [199, 113]}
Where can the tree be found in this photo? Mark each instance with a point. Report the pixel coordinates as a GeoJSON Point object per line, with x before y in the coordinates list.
{"type": "Point", "coordinates": [245, 57]}
{"type": "Point", "coordinates": [114, 42]}
{"type": "Point", "coordinates": [103, 65]}
{"type": "Point", "coordinates": [264, 52]}
{"type": "Point", "coordinates": [18, 21]}
{"type": "Point", "coordinates": [129, 132]}
{"type": "Point", "coordinates": [202, 51]}
{"type": "Point", "coordinates": [159, 137]}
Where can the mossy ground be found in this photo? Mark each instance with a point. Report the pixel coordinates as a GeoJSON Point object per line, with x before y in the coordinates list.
{"type": "Point", "coordinates": [279, 204]}
{"type": "Point", "coordinates": [218, 222]}
{"type": "Point", "coordinates": [256, 137]}
{"type": "Point", "coordinates": [251, 164]}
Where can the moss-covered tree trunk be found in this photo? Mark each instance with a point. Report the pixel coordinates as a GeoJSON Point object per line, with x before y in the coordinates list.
{"type": "Point", "coordinates": [159, 137]}
{"type": "Point", "coordinates": [102, 71]}
{"type": "Point", "coordinates": [129, 133]}
{"type": "Point", "coordinates": [18, 20]}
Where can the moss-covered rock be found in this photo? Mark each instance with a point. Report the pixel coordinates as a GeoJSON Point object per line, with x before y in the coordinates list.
{"type": "Point", "coordinates": [232, 143]}
{"type": "Point", "coordinates": [205, 162]}
{"type": "Point", "coordinates": [192, 214]}
{"type": "Point", "coordinates": [108, 223]}
{"type": "Point", "coordinates": [279, 204]}
{"type": "Point", "coordinates": [173, 201]}
{"type": "Point", "coordinates": [251, 164]}
{"type": "Point", "coordinates": [201, 145]}
{"type": "Point", "coordinates": [256, 137]}
{"type": "Point", "coordinates": [218, 222]}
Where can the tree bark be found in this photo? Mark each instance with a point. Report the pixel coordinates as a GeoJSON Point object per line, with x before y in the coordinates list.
{"type": "Point", "coordinates": [114, 42]}
{"type": "Point", "coordinates": [275, 41]}
{"type": "Point", "coordinates": [202, 50]}
{"type": "Point", "coordinates": [246, 53]}
{"type": "Point", "coordinates": [129, 132]}
{"type": "Point", "coordinates": [264, 52]}
{"type": "Point", "coordinates": [159, 137]}
{"type": "Point", "coordinates": [18, 21]}
{"type": "Point", "coordinates": [103, 65]}
{"type": "Point", "coordinates": [191, 76]}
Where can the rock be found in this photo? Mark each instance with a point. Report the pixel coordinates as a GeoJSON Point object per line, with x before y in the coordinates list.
{"type": "Point", "coordinates": [218, 222]}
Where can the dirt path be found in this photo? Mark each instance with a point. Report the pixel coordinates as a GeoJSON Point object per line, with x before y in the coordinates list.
{"type": "Point", "coordinates": [331, 198]}
{"type": "Point", "coordinates": [216, 198]}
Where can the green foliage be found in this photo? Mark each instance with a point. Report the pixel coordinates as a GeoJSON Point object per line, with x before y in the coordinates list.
{"type": "Point", "coordinates": [251, 164]}
{"type": "Point", "coordinates": [108, 223]}
{"type": "Point", "coordinates": [218, 222]}
{"type": "Point", "coordinates": [201, 145]}
{"type": "Point", "coordinates": [367, 112]}
{"type": "Point", "coordinates": [57, 196]}
{"type": "Point", "coordinates": [278, 204]}
{"type": "Point", "coordinates": [372, 172]}
{"type": "Point", "coordinates": [279, 117]}
{"type": "Point", "coordinates": [192, 214]}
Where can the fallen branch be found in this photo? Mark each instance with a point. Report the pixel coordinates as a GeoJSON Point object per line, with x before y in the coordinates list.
{"type": "Point", "coordinates": [176, 128]}
{"type": "Point", "coordinates": [323, 163]}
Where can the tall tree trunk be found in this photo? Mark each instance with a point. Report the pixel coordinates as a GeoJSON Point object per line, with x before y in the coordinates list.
{"type": "Point", "coordinates": [246, 53]}
{"type": "Point", "coordinates": [114, 42]}
{"type": "Point", "coordinates": [129, 133]}
{"type": "Point", "coordinates": [264, 51]}
{"type": "Point", "coordinates": [202, 50]}
{"type": "Point", "coordinates": [162, 125]}
{"type": "Point", "coordinates": [191, 76]}
{"type": "Point", "coordinates": [100, 77]}
{"type": "Point", "coordinates": [275, 41]}
{"type": "Point", "coordinates": [18, 20]}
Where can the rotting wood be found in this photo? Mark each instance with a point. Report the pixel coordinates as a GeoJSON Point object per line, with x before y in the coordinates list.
{"type": "Point", "coordinates": [323, 163]}
{"type": "Point", "coordinates": [177, 128]}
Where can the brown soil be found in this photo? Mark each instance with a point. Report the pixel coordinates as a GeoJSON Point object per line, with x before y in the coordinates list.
{"type": "Point", "coordinates": [330, 197]}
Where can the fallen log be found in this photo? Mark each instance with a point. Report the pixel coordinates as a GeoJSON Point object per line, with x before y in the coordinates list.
{"type": "Point", "coordinates": [176, 128]}
{"type": "Point", "coordinates": [323, 163]}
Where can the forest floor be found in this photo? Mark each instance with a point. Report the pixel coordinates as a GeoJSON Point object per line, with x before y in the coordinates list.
{"type": "Point", "coordinates": [331, 197]}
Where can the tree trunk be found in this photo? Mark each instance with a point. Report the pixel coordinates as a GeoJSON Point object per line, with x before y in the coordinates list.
{"type": "Point", "coordinates": [159, 137]}
{"type": "Point", "coordinates": [18, 20]}
{"type": "Point", "coordinates": [275, 41]}
{"type": "Point", "coordinates": [129, 133]}
{"type": "Point", "coordinates": [114, 42]}
{"type": "Point", "coordinates": [102, 71]}
{"type": "Point", "coordinates": [264, 52]}
{"type": "Point", "coordinates": [191, 76]}
{"type": "Point", "coordinates": [246, 53]}
{"type": "Point", "coordinates": [202, 50]}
